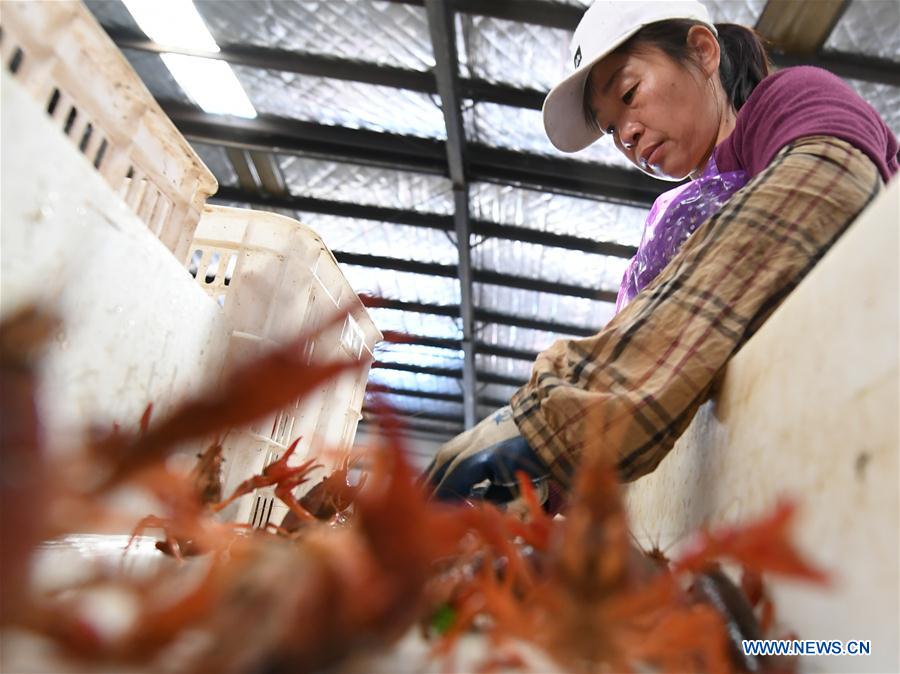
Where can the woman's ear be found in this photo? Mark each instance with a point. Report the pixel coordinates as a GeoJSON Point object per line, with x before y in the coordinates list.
{"type": "Point", "coordinates": [706, 49]}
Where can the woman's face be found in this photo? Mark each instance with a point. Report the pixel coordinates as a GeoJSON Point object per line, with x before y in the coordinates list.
{"type": "Point", "coordinates": [665, 117]}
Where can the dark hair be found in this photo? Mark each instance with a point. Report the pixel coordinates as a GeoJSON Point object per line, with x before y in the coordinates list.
{"type": "Point", "coordinates": [743, 62]}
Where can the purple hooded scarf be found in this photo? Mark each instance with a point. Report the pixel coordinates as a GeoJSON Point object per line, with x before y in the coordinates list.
{"type": "Point", "coordinates": [672, 219]}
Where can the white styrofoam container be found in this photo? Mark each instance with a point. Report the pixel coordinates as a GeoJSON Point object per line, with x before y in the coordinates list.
{"type": "Point", "coordinates": [275, 278]}
{"type": "Point", "coordinates": [70, 66]}
{"type": "Point", "coordinates": [808, 410]}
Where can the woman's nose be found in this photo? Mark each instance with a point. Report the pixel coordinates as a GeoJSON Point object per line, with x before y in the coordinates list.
{"type": "Point", "coordinates": [631, 134]}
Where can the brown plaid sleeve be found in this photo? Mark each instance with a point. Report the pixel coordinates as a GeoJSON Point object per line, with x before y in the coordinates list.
{"type": "Point", "coordinates": [629, 391]}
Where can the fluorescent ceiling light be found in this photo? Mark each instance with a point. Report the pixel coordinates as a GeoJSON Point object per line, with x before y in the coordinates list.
{"type": "Point", "coordinates": [172, 23]}
{"type": "Point", "coordinates": [211, 83]}
{"type": "Point", "coordinates": [177, 24]}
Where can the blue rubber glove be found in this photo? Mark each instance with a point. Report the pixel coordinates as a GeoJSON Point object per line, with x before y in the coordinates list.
{"type": "Point", "coordinates": [482, 462]}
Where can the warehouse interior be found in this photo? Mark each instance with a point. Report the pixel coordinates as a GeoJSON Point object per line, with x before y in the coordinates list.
{"type": "Point", "coordinates": [261, 259]}
{"type": "Point", "coordinates": [398, 129]}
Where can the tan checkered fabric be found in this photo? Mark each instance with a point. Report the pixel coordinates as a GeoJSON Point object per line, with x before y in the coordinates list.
{"type": "Point", "coordinates": [629, 391]}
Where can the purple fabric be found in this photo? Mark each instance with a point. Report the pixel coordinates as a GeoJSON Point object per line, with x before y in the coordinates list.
{"type": "Point", "coordinates": [672, 219]}
{"type": "Point", "coordinates": [798, 102]}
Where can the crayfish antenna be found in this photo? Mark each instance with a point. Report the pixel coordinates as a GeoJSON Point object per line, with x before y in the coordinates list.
{"type": "Point", "coordinates": [760, 545]}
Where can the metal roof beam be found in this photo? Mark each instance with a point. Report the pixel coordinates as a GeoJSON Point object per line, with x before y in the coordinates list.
{"type": "Point", "coordinates": [543, 286]}
{"type": "Point", "coordinates": [481, 315]}
{"type": "Point", "coordinates": [567, 241]}
{"type": "Point", "coordinates": [566, 17]}
{"type": "Point", "coordinates": [506, 352]}
{"type": "Point", "coordinates": [428, 416]}
{"type": "Point", "coordinates": [292, 136]}
{"type": "Point", "coordinates": [428, 220]}
{"type": "Point", "coordinates": [279, 134]}
{"type": "Point", "coordinates": [479, 275]}
{"type": "Point", "coordinates": [850, 66]}
{"type": "Point", "coordinates": [500, 318]}
{"type": "Point", "coordinates": [269, 173]}
{"type": "Point", "coordinates": [456, 344]}
{"type": "Point", "coordinates": [340, 208]}
{"type": "Point", "coordinates": [332, 67]}
{"type": "Point", "coordinates": [285, 60]}
{"type": "Point", "coordinates": [409, 426]}
{"type": "Point", "coordinates": [401, 338]}
{"type": "Point", "coordinates": [567, 175]}
{"type": "Point", "coordinates": [451, 373]}
{"type": "Point", "coordinates": [428, 395]}
{"type": "Point", "coordinates": [243, 168]}
{"type": "Point", "coordinates": [442, 29]}
{"type": "Point", "coordinates": [396, 264]}
{"type": "Point", "coordinates": [414, 393]}
{"type": "Point", "coordinates": [370, 301]}
{"type": "Point", "coordinates": [550, 14]}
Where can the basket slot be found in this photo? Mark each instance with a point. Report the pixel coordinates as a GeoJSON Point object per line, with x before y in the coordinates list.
{"type": "Point", "coordinates": [229, 269]}
{"type": "Point", "coordinates": [65, 60]}
{"type": "Point", "coordinates": [262, 511]}
{"type": "Point", "coordinates": [86, 136]}
{"type": "Point", "coordinates": [18, 56]}
{"type": "Point", "coordinates": [100, 155]}
{"type": "Point", "coordinates": [135, 191]}
{"type": "Point", "coordinates": [91, 141]}
{"type": "Point", "coordinates": [70, 119]}
{"type": "Point", "coordinates": [148, 203]}
{"type": "Point", "coordinates": [282, 428]}
{"type": "Point", "coordinates": [213, 267]}
{"type": "Point", "coordinates": [79, 129]}
{"type": "Point", "coordinates": [53, 102]}
{"type": "Point", "coordinates": [62, 104]}
{"type": "Point", "coordinates": [160, 213]}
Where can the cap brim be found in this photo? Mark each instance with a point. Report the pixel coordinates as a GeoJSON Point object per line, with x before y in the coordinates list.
{"type": "Point", "coordinates": [563, 113]}
{"type": "Point", "coordinates": [563, 109]}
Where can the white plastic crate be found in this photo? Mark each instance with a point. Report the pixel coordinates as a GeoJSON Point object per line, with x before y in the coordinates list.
{"type": "Point", "coordinates": [135, 328]}
{"type": "Point", "coordinates": [65, 60]}
{"type": "Point", "coordinates": [275, 278]}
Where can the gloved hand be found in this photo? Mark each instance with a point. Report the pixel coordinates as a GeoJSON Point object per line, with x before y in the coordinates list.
{"type": "Point", "coordinates": [482, 462]}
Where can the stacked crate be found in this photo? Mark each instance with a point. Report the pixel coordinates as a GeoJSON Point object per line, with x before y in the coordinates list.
{"type": "Point", "coordinates": [273, 277]}
{"type": "Point", "coordinates": [101, 202]}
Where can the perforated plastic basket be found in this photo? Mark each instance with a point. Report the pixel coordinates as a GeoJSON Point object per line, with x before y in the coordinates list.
{"type": "Point", "coordinates": [134, 326]}
{"type": "Point", "coordinates": [65, 60]}
{"type": "Point", "coordinates": [274, 278]}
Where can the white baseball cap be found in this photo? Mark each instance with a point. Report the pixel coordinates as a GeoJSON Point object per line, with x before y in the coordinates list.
{"type": "Point", "coordinates": [605, 25]}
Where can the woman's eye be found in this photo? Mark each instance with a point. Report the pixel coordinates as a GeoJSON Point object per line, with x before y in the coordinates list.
{"type": "Point", "coordinates": [629, 95]}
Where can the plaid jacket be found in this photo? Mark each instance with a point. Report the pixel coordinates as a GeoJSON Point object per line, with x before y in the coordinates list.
{"type": "Point", "coordinates": [629, 391]}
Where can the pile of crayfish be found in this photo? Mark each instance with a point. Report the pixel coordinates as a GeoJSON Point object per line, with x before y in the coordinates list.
{"type": "Point", "coordinates": [354, 568]}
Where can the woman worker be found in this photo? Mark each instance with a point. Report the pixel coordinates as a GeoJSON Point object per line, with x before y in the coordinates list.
{"type": "Point", "coordinates": [780, 165]}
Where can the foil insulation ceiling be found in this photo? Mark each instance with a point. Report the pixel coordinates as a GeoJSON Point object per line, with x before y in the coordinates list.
{"type": "Point", "coordinates": [385, 33]}
{"type": "Point", "coordinates": [388, 239]}
{"type": "Point", "coordinates": [373, 186]}
{"type": "Point", "coordinates": [549, 263]}
{"type": "Point", "coordinates": [557, 213]}
{"type": "Point", "coordinates": [356, 105]}
{"type": "Point", "coordinates": [868, 27]}
{"type": "Point", "coordinates": [371, 36]}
